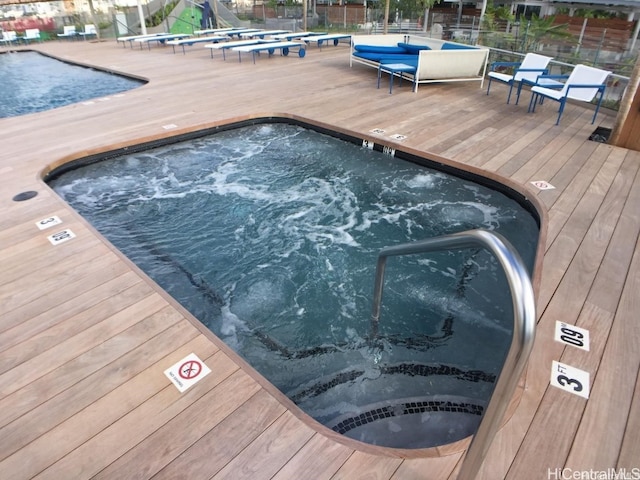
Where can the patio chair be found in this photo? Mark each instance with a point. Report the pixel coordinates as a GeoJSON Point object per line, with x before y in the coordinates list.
{"type": "Point", "coordinates": [31, 34]}
{"type": "Point", "coordinates": [89, 30]}
{"type": "Point", "coordinates": [9, 36]}
{"type": "Point", "coordinates": [525, 72]}
{"type": "Point", "coordinates": [68, 31]}
{"type": "Point", "coordinates": [584, 84]}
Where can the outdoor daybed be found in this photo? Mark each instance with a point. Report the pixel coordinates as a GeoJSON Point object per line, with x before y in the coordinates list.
{"type": "Point", "coordinates": [434, 60]}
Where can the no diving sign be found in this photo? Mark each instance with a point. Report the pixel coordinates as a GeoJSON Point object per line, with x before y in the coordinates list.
{"type": "Point", "coordinates": [187, 372]}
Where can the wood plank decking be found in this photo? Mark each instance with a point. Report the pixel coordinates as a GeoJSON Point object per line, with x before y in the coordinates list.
{"type": "Point", "coordinates": [85, 336]}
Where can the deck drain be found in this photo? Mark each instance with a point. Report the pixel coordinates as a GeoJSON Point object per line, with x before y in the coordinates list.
{"type": "Point", "coordinates": [600, 135]}
{"type": "Point", "coordinates": [21, 197]}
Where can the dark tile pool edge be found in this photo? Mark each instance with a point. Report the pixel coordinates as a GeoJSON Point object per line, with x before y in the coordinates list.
{"type": "Point", "coordinates": [407, 408]}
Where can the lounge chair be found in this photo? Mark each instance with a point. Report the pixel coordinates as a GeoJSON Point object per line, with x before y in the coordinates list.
{"type": "Point", "coordinates": [262, 33]}
{"type": "Point", "coordinates": [9, 36]}
{"type": "Point", "coordinates": [215, 31]}
{"type": "Point", "coordinates": [291, 35]}
{"type": "Point", "coordinates": [584, 84]}
{"type": "Point", "coordinates": [68, 31]}
{"type": "Point", "coordinates": [89, 30]}
{"type": "Point", "coordinates": [334, 37]}
{"type": "Point", "coordinates": [181, 42]}
{"type": "Point", "coordinates": [270, 47]}
{"type": "Point", "coordinates": [239, 31]}
{"type": "Point", "coordinates": [237, 43]}
{"type": "Point", "coordinates": [525, 72]}
{"type": "Point", "coordinates": [133, 38]}
{"type": "Point", "coordinates": [160, 39]}
{"type": "Point", "coordinates": [31, 34]}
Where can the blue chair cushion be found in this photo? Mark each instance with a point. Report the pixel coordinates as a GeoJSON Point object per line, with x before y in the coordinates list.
{"type": "Point", "coordinates": [379, 49]}
{"type": "Point", "coordinates": [456, 46]}
{"type": "Point", "coordinates": [413, 49]}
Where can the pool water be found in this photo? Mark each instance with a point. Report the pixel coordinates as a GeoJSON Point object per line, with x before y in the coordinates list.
{"type": "Point", "coordinates": [32, 82]}
{"type": "Point", "coordinates": [269, 235]}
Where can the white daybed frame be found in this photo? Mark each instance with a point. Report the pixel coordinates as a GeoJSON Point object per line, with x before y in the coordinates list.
{"type": "Point", "coordinates": [435, 65]}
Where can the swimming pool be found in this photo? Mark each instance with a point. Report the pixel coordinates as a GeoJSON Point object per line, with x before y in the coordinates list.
{"type": "Point", "coordinates": [269, 234]}
{"type": "Point", "coordinates": [32, 82]}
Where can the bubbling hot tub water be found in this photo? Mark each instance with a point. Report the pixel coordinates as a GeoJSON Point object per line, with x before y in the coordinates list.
{"type": "Point", "coordinates": [269, 234]}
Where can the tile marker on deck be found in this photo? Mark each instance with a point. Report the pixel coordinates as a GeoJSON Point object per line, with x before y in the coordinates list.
{"type": "Point", "coordinates": [570, 379]}
{"type": "Point", "coordinates": [48, 222]}
{"type": "Point", "coordinates": [57, 238]}
{"type": "Point", "coordinates": [187, 372]}
{"type": "Point", "coordinates": [61, 236]}
{"type": "Point", "coordinates": [542, 185]}
{"type": "Point", "coordinates": [572, 335]}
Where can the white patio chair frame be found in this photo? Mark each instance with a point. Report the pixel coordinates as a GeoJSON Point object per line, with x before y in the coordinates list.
{"type": "Point", "coordinates": [525, 72]}
{"type": "Point", "coordinates": [581, 85]}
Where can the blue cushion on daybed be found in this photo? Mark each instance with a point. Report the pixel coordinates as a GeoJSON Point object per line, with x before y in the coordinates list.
{"type": "Point", "coordinates": [456, 46]}
{"type": "Point", "coordinates": [379, 49]}
{"type": "Point", "coordinates": [395, 58]}
{"type": "Point", "coordinates": [374, 57]}
{"type": "Point", "coordinates": [413, 49]}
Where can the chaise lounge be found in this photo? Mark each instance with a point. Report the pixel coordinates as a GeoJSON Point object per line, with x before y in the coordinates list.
{"type": "Point", "coordinates": [190, 41]}
{"type": "Point", "coordinates": [159, 39]}
{"type": "Point", "coordinates": [31, 34]}
{"type": "Point", "coordinates": [329, 37]}
{"type": "Point", "coordinates": [68, 31]}
{"type": "Point", "coordinates": [133, 38]}
{"type": "Point", "coordinates": [270, 47]}
{"type": "Point", "coordinates": [432, 60]}
{"type": "Point", "coordinates": [90, 30]}
{"type": "Point", "coordinates": [9, 37]}
{"type": "Point", "coordinates": [237, 43]}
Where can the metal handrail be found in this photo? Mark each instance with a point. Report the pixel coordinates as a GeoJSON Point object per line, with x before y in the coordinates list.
{"type": "Point", "coordinates": [524, 323]}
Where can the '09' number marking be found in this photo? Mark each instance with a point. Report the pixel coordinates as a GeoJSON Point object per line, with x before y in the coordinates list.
{"type": "Point", "coordinates": [572, 335]}
{"type": "Point", "coordinates": [61, 236]}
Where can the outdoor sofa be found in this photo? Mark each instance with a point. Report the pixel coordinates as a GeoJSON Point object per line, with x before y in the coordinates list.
{"type": "Point", "coordinates": [433, 60]}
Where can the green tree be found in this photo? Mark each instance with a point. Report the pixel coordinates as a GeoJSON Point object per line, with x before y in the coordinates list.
{"type": "Point", "coordinates": [502, 30]}
{"type": "Point", "coordinates": [412, 8]}
{"type": "Point", "coordinates": [539, 29]}
{"type": "Point", "coordinates": [409, 8]}
{"type": "Point", "coordinates": [496, 27]}
{"type": "Point", "coordinates": [493, 16]}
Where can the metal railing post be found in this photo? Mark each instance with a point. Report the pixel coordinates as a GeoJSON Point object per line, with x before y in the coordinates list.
{"type": "Point", "coordinates": [524, 323]}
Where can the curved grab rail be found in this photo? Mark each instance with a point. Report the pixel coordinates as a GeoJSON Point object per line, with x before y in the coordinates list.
{"type": "Point", "coordinates": [523, 326]}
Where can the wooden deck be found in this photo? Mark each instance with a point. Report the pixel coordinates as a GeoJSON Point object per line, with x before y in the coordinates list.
{"type": "Point", "coordinates": [85, 336]}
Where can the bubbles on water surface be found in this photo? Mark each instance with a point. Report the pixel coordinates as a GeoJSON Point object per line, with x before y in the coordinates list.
{"type": "Point", "coordinates": [231, 326]}
{"type": "Point", "coordinates": [423, 181]}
